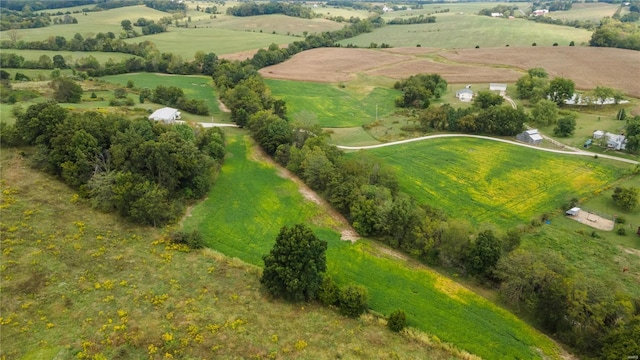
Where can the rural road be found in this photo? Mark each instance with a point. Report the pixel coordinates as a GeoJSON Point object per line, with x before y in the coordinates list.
{"type": "Point", "coordinates": [422, 138]}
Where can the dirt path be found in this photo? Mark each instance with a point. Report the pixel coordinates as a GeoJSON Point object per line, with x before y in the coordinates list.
{"type": "Point", "coordinates": [347, 232]}
{"type": "Point", "coordinates": [223, 107]}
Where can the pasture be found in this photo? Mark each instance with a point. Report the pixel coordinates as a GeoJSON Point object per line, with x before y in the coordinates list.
{"type": "Point", "coordinates": [258, 201]}
{"type": "Point", "coordinates": [78, 283]}
{"type": "Point", "coordinates": [593, 12]}
{"type": "Point", "coordinates": [453, 30]}
{"type": "Point", "coordinates": [334, 105]}
{"type": "Point", "coordinates": [218, 41]}
{"type": "Point", "coordinates": [278, 23]}
{"type": "Point", "coordinates": [488, 182]}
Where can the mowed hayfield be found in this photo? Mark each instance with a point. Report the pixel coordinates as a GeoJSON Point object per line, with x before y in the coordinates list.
{"type": "Point", "coordinates": [617, 68]}
{"type": "Point", "coordinates": [194, 87]}
{"type": "Point", "coordinates": [332, 105]}
{"type": "Point", "coordinates": [453, 30]}
{"type": "Point", "coordinates": [490, 182]}
{"type": "Point", "coordinates": [278, 23]}
{"type": "Point", "coordinates": [251, 201]}
{"type": "Point", "coordinates": [593, 12]}
{"type": "Point", "coordinates": [78, 283]}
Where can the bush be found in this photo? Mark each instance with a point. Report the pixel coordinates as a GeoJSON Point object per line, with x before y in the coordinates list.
{"type": "Point", "coordinates": [621, 220]}
{"type": "Point", "coordinates": [329, 292]}
{"type": "Point", "coordinates": [397, 321]}
{"type": "Point", "coordinates": [621, 231]}
{"type": "Point", "coordinates": [354, 300]}
{"type": "Point", "coordinates": [193, 240]}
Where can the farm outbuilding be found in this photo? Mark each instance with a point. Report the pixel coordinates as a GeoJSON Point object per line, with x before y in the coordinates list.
{"type": "Point", "coordinates": [166, 114]}
{"type": "Point", "coordinates": [573, 211]}
{"type": "Point", "coordinates": [598, 134]}
{"type": "Point", "coordinates": [498, 87]}
{"type": "Point", "coordinates": [464, 94]}
{"type": "Point", "coordinates": [530, 137]}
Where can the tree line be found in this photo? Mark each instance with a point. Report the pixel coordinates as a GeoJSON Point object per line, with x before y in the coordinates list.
{"type": "Point", "coordinates": [255, 9]}
{"type": "Point", "coordinates": [413, 20]}
{"type": "Point", "coordinates": [145, 171]}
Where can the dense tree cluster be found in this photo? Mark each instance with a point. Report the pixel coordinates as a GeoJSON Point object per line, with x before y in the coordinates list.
{"type": "Point", "coordinates": [506, 10]}
{"type": "Point", "coordinates": [11, 19]}
{"type": "Point", "coordinates": [626, 198]}
{"type": "Point", "coordinates": [294, 267]}
{"type": "Point", "coordinates": [141, 169]}
{"type": "Point", "coordinates": [255, 9]}
{"type": "Point", "coordinates": [583, 312]}
{"type": "Point", "coordinates": [413, 20]}
{"type": "Point", "coordinates": [66, 90]}
{"type": "Point", "coordinates": [536, 86]}
{"type": "Point", "coordinates": [614, 33]}
{"type": "Point", "coordinates": [417, 90]}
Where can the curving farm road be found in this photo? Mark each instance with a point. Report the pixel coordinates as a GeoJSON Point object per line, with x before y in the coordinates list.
{"type": "Point", "coordinates": [422, 138]}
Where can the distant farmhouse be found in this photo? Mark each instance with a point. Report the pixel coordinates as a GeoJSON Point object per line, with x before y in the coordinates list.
{"type": "Point", "coordinates": [616, 142]}
{"type": "Point", "coordinates": [497, 15]}
{"type": "Point", "coordinates": [465, 94]}
{"type": "Point", "coordinates": [167, 115]}
{"type": "Point", "coordinates": [541, 12]}
{"type": "Point", "coordinates": [530, 137]}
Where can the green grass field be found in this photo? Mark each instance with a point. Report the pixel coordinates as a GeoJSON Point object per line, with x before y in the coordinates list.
{"type": "Point", "coordinates": [453, 30]}
{"type": "Point", "coordinates": [593, 12]}
{"type": "Point", "coordinates": [218, 41]}
{"type": "Point", "coordinates": [281, 24]}
{"type": "Point", "coordinates": [93, 23]}
{"type": "Point", "coordinates": [490, 182]}
{"type": "Point", "coordinates": [250, 202]}
{"type": "Point", "coordinates": [70, 56]}
{"type": "Point", "coordinates": [77, 283]}
{"type": "Point", "coordinates": [332, 106]}
{"type": "Point", "coordinates": [194, 87]}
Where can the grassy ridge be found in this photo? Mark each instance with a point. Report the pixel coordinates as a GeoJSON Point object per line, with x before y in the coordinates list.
{"type": "Point", "coordinates": [332, 106]}
{"type": "Point", "coordinates": [71, 56]}
{"type": "Point", "coordinates": [81, 284]}
{"type": "Point", "coordinates": [257, 203]}
{"type": "Point", "coordinates": [490, 182]}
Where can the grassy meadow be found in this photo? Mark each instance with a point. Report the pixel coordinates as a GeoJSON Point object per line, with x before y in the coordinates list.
{"type": "Point", "coordinates": [81, 284]}
{"type": "Point", "coordinates": [496, 183]}
{"type": "Point", "coordinates": [71, 56]}
{"type": "Point", "coordinates": [332, 105]}
{"type": "Point", "coordinates": [257, 202]}
{"type": "Point", "coordinates": [455, 30]}
{"type": "Point", "coordinates": [279, 23]}
{"type": "Point", "coordinates": [593, 12]}
{"type": "Point", "coordinates": [194, 87]}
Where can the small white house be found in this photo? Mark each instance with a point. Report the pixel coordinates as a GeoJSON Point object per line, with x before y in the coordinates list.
{"type": "Point", "coordinates": [616, 142]}
{"type": "Point", "coordinates": [530, 137]}
{"type": "Point", "coordinates": [598, 134]}
{"type": "Point", "coordinates": [167, 115]}
{"type": "Point", "coordinates": [465, 94]}
{"type": "Point", "coordinates": [541, 12]}
{"type": "Point", "coordinates": [497, 14]}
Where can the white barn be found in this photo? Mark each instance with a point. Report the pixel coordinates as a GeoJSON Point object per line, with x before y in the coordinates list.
{"type": "Point", "coordinates": [464, 94]}
{"type": "Point", "coordinates": [167, 115]}
{"type": "Point", "coordinates": [498, 87]}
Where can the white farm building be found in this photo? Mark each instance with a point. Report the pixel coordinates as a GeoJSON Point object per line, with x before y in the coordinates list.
{"type": "Point", "coordinates": [167, 115]}
{"type": "Point", "coordinates": [530, 137]}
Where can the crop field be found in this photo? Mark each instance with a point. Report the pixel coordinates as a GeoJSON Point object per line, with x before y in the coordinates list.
{"type": "Point", "coordinates": [77, 283]}
{"type": "Point", "coordinates": [490, 182]}
{"type": "Point", "coordinates": [93, 23]}
{"type": "Point", "coordinates": [257, 202]}
{"type": "Point", "coordinates": [194, 87]}
{"type": "Point", "coordinates": [332, 106]}
{"type": "Point", "coordinates": [71, 56]}
{"type": "Point", "coordinates": [328, 11]}
{"type": "Point", "coordinates": [453, 30]}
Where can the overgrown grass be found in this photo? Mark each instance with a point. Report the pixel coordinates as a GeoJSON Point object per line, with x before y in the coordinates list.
{"type": "Point", "coordinates": [81, 284]}
{"type": "Point", "coordinates": [496, 183]}
{"type": "Point", "coordinates": [194, 87]}
{"type": "Point", "coordinates": [334, 105]}
{"type": "Point", "coordinates": [455, 30]}
{"type": "Point", "coordinates": [250, 202]}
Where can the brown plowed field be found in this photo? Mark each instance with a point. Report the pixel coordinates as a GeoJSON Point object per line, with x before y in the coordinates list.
{"type": "Point", "coordinates": [588, 67]}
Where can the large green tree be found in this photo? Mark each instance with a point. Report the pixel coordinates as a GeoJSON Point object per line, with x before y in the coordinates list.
{"type": "Point", "coordinates": [545, 112]}
{"type": "Point", "coordinates": [65, 90]}
{"type": "Point", "coordinates": [294, 266]}
{"type": "Point", "coordinates": [626, 198]}
{"type": "Point", "coordinates": [561, 89]}
{"type": "Point", "coordinates": [486, 99]}
{"type": "Point", "coordinates": [485, 253]}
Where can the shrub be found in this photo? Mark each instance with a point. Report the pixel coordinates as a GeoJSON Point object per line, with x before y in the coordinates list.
{"type": "Point", "coordinates": [621, 220]}
{"type": "Point", "coordinates": [397, 321]}
{"type": "Point", "coordinates": [94, 96]}
{"type": "Point", "coordinates": [193, 240]}
{"type": "Point", "coordinates": [621, 231]}
{"type": "Point", "coordinates": [354, 300]}
{"type": "Point", "coordinates": [329, 292]}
